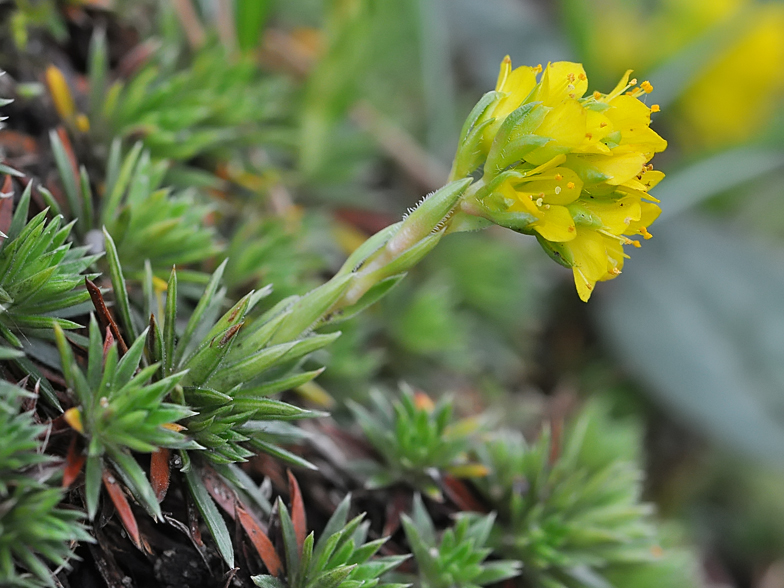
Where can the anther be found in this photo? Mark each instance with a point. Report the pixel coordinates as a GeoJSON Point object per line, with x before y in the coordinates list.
{"type": "Point", "coordinates": [570, 185]}
{"type": "Point", "coordinates": [539, 201]}
{"type": "Point", "coordinates": [602, 124]}
{"type": "Point", "coordinates": [558, 189]}
{"type": "Point", "coordinates": [582, 76]}
{"type": "Point", "coordinates": [647, 87]}
{"type": "Point", "coordinates": [655, 108]}
{"type": "Point", "coordinates": [558, 177]}
{"type": "Point", "coordinates": [589, 136]}
{"type": "Point", "coordinates": [570, 76]}
{"type": "Point", "coordinates": [597, 94]}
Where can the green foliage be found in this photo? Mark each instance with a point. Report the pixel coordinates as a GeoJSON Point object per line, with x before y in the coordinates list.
{"type": "Point", "coordinates": [219, 100]}
{"type": "Point", "coordinates": [39, 275]}
{"type": "Point", "coordinates": [569, 509]}
{"type": "Point", "coordinates": [232, 369]}
{"type": "Point", "coordinates": [458, 559]}
{"type": "Point", "coordinates": [119, 411]}
{"type": "Point", "coordinates": [416, 441]}
{"type": "Point", "coordinates": [32, 526]}
{"type": "Point", "coordinates": [274, 250]}
{"type": "Point", "coordinates": [340, 558]}
{"type": "Point", "coordinates": [147, 222]}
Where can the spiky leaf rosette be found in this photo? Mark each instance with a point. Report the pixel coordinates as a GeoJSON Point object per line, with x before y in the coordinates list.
{"type": "Point", "coordinates": [39, 275]}
{"type": "Point", "coordinates": [146, 221]}
{"type": "Point", "coordinates": [417, 440]}
{"type": "Point", "coordinates": [458, 559]}
{"type": "Point", "coordinates": [32, 527]}
{"type": "Point", "coordinates": [340, 558]}
{"type": "Point", "coordinates": [217, 102]}
{"type": "Point", "coordinates": [571, 515]}
{"type": "Point", "coordinates": [233, 368]}
{"type": "Point", "coordinates": [118, 410]}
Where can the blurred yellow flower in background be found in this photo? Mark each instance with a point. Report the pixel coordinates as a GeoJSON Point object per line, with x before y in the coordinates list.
{"type": "Point", "coordinates": [738, 87]}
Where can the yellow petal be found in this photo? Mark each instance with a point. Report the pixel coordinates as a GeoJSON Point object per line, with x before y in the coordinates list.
{"type": "Point", "coordinates": [517, 86]}
{"type": "Point", "coordinates": [617, 168]}
{"type": "Point", "coordinates": [506, 68]}
{"type": "Point", "coordinates": [616, 215]}
{"type": "Point", "coordinates": [560, 81]}
{"type": "Point", "coordinates": [556, 225]}
{"type": "Point", "coordinates": [565, 125]}
{"type": "Point", "coordinates": [559, 185]}
{"type": "Point", "coordinates": [621, 87]}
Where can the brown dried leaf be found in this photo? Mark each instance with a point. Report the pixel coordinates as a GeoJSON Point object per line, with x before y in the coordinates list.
{"type": "Point", "coordinates": [160, 472]}
{"type": "Point", "coordinates": [260, 541]}
{"type": "Point", "coordinates": [298, 517]}
{"type": "Point", "coordinates": [73, 463]}
{"type": "Point", "coordinates": [123, 508]}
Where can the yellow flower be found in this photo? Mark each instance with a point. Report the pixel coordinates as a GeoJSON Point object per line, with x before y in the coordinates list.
{"type": "Point", "coordinates": [573, 167]}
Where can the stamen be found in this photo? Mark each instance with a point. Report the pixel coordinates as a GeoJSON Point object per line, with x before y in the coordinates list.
{"type": "Point", "coordinates": [602, 124]}
{"type": "Point", "coordinates": [655, 108]}
{"type": "Point", "coordinates": [647, 87]}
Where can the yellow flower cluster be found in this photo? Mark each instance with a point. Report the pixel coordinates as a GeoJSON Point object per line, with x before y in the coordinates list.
{"type": "Point", "coordinates": [575, 165]}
